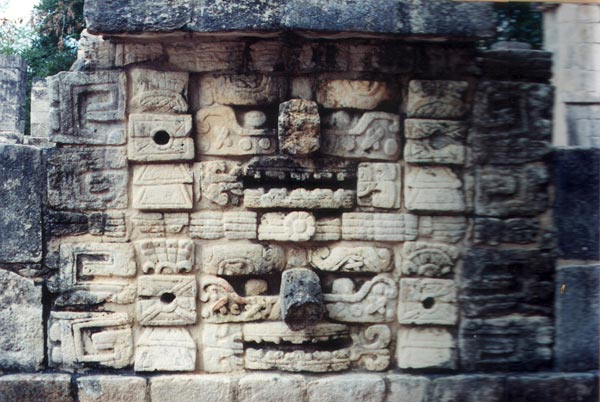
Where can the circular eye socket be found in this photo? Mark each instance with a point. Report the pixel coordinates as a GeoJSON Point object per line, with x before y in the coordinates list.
{"type": "Point", "coordinates": [167, 298]}
{"type": "Point", "coordinates": [428, 302]}
{"type": "Point", "coordinates": [161, 137]}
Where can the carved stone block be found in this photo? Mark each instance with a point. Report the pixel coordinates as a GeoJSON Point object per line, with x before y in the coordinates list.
{"type": "Point", "coordinates": [352, 94]}
{"type": "Point", "coordinates": [437, 99]}
{"type": "Point", "coordinates": [87, 108]}
{"type": "Point", "coordinates": [493, 231]}
{"type": "Point", "coordinates": [90, 273]}
{"type": "Point", "coordinates": [220, 182]}
{"type": "Point", "coordinates": [443, 228]}
{"type": "Point", "coordinates": [379, 185]}
{"type": "Point", "coordinates": [351, 259]}
{"type": "Point", "coordinates": [267, 56]}
{"type": "Point", "coordinates": [299, 127]}
{"type": "Point", "coordinates": [79, 339]}
{"type": "Point", "coordinates": [425, 347]}
{"type": "Point", "coordinates": [87, 178]}
{"type": "Point", "coordinates": [165, 349]}
{"type": "Point", "coordinates": [512, 122]}
{"type": "Point", "coordinates": [157, 224]}
{"type": "Point", "coordinates": [166, 256]}
{"type": "Point", "coordinates": [166, 300]}
{"type": "Point", "coordinates": [160, 137]}
{"type": "Point", "coordinates": [301, 298]}
{"type": "Point", "coordinates": [216, 225]}
{"type": "Point", "coordinates": [222, 348]}
{"type": "Point", "coordinates": [376, 135]}
{"type": "Point", "coordinates": [435, 141]}
{"type": "Point", "coordinates": [242, 259]}
{"type": "Point", "coordinates": [427, 301]}
{"type": "Point", "coordinates": [278, 332]}
{"type": "Point", "coordinates": [373, 302]}
{"type": "Point", "coordinates": [299, 198]}
{"type": "Point", "coordinates": [505, 282]}
{"type": "Point", "coordinates": [428, 259]}
{"type": "Point", "coordinates": [110, 226]}
{"type": "Point", "coordinates": [162, 187]}
{"type": "Point", "coordinates": [243, 90]}
{"type": "Point", "coordinates": [504, 191]}
{"type": "Point", "coordinates": [286, 169]}
{"type": "Point", "coordinates": [158, 91]}
{"type": "Point", "coordinates": [220, 303]}
{"type": "Point", "coordinates": [196, 56]}
{"type": "Point", "coordinates": [507, 343]}
{"type": "Point", "coordinates": [379, 227]}
{"type": "Point", "coordinates": [219, 133]}
{"type": "Point", "coordinates": [433, 189]}
{"type": "Point", "coordinates": [294, 226]}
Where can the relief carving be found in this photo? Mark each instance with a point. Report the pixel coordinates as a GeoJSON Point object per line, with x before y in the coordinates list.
{"type": "Point", "coordinates": [158, 91]}
{"type": "Point", "coordinates": [374, 302]}
{"type": "Point", "coordinates": [433, 189]}
{"type": "Point", "coordinates": [79, 339]}
{"type": "Point", "coordinates": [449, 229]}
{"type": "Point", "coordinates": [216, 225]}
{"type": "Point", "coordinates": [437, 99]}
{"type": "Point", "coordinates": [351, 259]}
{"type": "Point", "coordinates": [160, 137]}
{"type": "Point", "coordinates": [379, 185]}
{"type": "Point", "coordinates": [166, 256]}
{"type": "Point", "coordinates": [428, 259]}
{"type": "Point", "coordinates": [427, 301]}
{"type": "Point", "coordinates": [166, 300]}
{"type": "Point", "coordinates": [353, 94]}
{"type": "Point", "coordinates": [158, 224]}
{"type": "Point", "coordinates": [219, 133]}
{"type": "Point", "coordinates": [294, 226]}
{"type": "Point", "coordinates": [299, 127]}
{"type": "Point", "coordinates": [299, 198]}
{"type": "Point", "coordinates": [243, 90]}
{"type": "Point", "coordinates": [288, 169]}
{"type": "Point", "coordinates": [206, 56]}
{"type": "Point", "coordinates": [220, 182]}
{"type": "Point", "coordinates": [242, 259]}
{"type": "Point", "coordinates": [223, 350]}
{"type": "Point", "coordinates": [425, 347]}
{"type": "Point", "coordinates": [376, 135]}
{"type": "Point", "coordinates": [435, 141]}
{"type": "Point", "coordinates": [162, 187]}
{"type": "Point", "coordinates": [379, 226]}
{"type": "Point", "coordinates": [165, 349]}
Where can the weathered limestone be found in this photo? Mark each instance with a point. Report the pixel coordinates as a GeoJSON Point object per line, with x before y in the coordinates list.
{"type": "Point", "coordinates": [301, 298]}
{"type": "Point", "coordinates": [190, 388]}
{"type": "Point", "coordinates": [425, 347]}
{"type": "Point", "coordinates": [163, 187]}
{"type": "Point", "coordinates": [298, 127]}
{"type": "Point", "coordinates": [159, 137]}
{"type": "Point", "coordinates": [379, 185]}
{"type": "Point", "coordinates": [21, 188]}
{"type": "Point", "coordinates": [433, 189]}
{"type": "Point", "coordinates": [13, 80]}
{"type": "Point", "coordinates": [352, 387]}
{"type": "Point", "coordinates": [158, 91]}
{"type": "Point", "coordinates": [165, 349]}
{"type": "Point", "coordinates": [271, 388]}
{"type": "Point", "coordinates": [437, 99]}
{"type": "Point", "coordinates": [467, 388]}
{"type": "Point", "coordinates": [22, 335]}
{"type": "Point", "coordinates": [105, 388]}
{"type": "Point", "coordinates": [36, 387]}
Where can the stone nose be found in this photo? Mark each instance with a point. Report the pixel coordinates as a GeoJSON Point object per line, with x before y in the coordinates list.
{"type": "Point", "coordinates": [301, 298]}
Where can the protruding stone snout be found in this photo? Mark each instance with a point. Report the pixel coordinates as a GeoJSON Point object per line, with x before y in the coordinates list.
{"type": "Point", "coordinates": [301, 298]}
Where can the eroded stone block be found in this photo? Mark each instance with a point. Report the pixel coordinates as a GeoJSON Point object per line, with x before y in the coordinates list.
{"type": "Point", "coordinates": [493, 231]}
{"type": "Point", "coordinates": [22, 335]}
{"type": "Point", "coordinates": [379, 185]}
{"type": "Point", "coordinates": [160, 137]}
{"type": "Point", "coordinates": [165, 349]}
{"type": "Point", "coordinates": [158, 91]}
{"type": "Point", "coordinates": [352, 94]}
{"type": "Point", "coordinates": [375, 135]}
{"type": "Point", "coordinates": [242, 259]}
{"type": "Point", "coordinates": [505, 282]}
{"type": "Point", "coordinates": [201, 56]}
{"type": "Point", "coordinates": [166, 256]}
{"type": "Point", "coordinates": [512, 342]}
{"type": "Point", "coordinates": [443, 228]}
{"type": "Point", "coordinates": [553, 387]}
{"type": "Point", "coordinates": [158, 224]}
{"type": "Point", "coordinates": [299, 198]}
{"type": "Point", "coordinates": [219, 133]}
{"type": "Point", "coordinates": [87, 108]}
{"type": "Point", "coordinates": [348, 387]}
{"type": "Point", "coordinates": [351, 259]}
{"type": "Point", "coordinates": [435, 141]}
{"type": "Point", "coordinates": [87, 178]}
{"type": "Point", "coordinates": [425, 347]}
{"type": "Point", "coordinates": [191, 388]}
{"type": "Point", "coordinates": [166, 300]}
{"type": "Point", "coordinates": [504, 191]}
{"type": "Point", "coordinates": [373, 302]}
{"type": "Point", "coordinates": [162, 187]}
{"type": "Point", "coordinates": [407, 388]}
{"type": "Point", "coordinates": [111, 388]}
{"type": "Point", "coordinates": [433, 189]}
{"type": "Point", "coordinates": [243, 90]}
{"type": "Point", "coordinates": [79, 339]}
{"type": "Point", "coordinates": [35, 388]}
{"type": "Point", "coordinates": [230, 225]}
{"type": "Point", "coordinates": [378, 226]}
{"type": "Point", "coordinates": [271, 388]}
{"type": "Point", "coordinates": [220, 182]}
{"type": "Point", "coordinates": [299, 127]}
{"type": "Point", "coordinates": [287, 169]}
{"type": "Point", "coordinates": [222, 348]}
{"type": "Point", "coordinates": [512, 122]}
{"type": "Point", "coordinates": [427, 301]}
{"type": "Point", "coordinates": [472, 388]}
{"type": "Point", "coordinates": [437, 99]}
{"type": "Point", "coordinates": [428, 259]}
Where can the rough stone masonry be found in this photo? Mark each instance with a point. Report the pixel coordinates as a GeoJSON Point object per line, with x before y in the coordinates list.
{"type": "Point", "coordinates": [287, 201]}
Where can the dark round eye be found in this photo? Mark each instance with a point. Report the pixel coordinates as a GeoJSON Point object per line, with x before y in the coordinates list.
{"type": "Point", "coordinates": [167, 298]}
{"type": "Point", "coordinates": [161, 137]}
{"type": "Point", "coordinates": [428, 302]}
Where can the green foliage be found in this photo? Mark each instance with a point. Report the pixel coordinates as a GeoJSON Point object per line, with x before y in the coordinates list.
{"type": "Point", "coordinates": [519, 22]}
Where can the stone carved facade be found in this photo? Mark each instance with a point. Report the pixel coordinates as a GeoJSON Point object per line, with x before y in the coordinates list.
{"type": "Point", "coordinates": [184, 188]}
